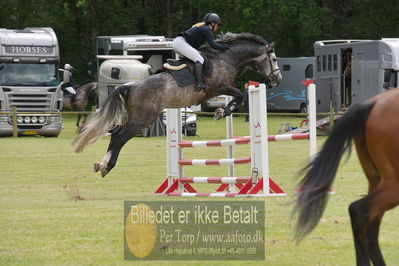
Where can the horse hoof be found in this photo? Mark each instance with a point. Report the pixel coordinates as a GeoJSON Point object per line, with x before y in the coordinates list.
{"type": "Point", "coordinates": [219, 113]}
{"type": "Point", "coordinates": [97, 167]}
{"type": "Point", "coordinates": [104, 172]}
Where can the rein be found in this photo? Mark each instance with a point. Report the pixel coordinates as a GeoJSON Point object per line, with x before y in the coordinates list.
{"type": "Point", "coordinates": [272, 76]}
{"type": "Point", "coordinates": [258, 60]}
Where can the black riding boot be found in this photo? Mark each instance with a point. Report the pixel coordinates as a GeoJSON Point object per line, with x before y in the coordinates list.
{"type": "Point", "coordinates": [199, 85]}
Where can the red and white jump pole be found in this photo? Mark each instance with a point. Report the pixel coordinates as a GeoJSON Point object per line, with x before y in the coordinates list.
{"type": "Point", "coordinates": [178, 185]}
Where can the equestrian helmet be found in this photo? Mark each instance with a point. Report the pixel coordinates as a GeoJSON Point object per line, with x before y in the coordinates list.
{"type": "Point", "coordinates": [68, 67]}
{"type": "Point", "coordinates": [212, 17]}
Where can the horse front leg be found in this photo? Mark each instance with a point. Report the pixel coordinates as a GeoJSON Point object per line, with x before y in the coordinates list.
{"type": "Point", "coordinates": [232, 105]}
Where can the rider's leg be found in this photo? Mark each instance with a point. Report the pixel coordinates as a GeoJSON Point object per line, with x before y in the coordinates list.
{"type": "Point", "coordinates": [183, 48]}
{"type": "Point", "coordinates": [199, 85]}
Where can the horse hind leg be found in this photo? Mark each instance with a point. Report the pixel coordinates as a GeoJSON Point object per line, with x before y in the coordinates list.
{"type": "Point", "coordinates": [118, 139]}
{"type": "Point", "coordinates": [385, 197]}
{"type": "Point", "coordinates": [366, 213]}
{"type": "Point", "coordinates": [102, 166]}
{"type": "Point", "coordinates": [373, 231]}
{"type": "Point", "coordinates": [78, 120]}
{"type": "Point", "coordinates": [362, 229]}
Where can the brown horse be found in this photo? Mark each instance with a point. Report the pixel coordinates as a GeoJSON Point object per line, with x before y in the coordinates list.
{"type": "Point", "coordinates": [374, 128]}
{"type": "Point", "coordinates": [80, 100]}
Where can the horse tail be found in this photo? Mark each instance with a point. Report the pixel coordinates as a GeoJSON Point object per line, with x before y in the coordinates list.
{"type": "Point", "coordinates": [112, 114]}
{"type": "Point", "coordinates": [320, 173]}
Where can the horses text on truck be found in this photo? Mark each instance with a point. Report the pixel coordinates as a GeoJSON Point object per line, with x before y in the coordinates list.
{"type": "Point", "coordinates": [351, 71]}
{"type": "Point", "coordinates": [29, 81]}
{"type": "Point", "coordinates": [290, 94]}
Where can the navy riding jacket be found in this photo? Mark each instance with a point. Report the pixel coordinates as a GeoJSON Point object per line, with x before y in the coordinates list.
{"type": "Point", "coordinates": [198, 35]}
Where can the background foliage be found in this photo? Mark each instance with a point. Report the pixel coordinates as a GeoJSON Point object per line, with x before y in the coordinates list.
{"type": "Point", "coordinates": [293, 24]}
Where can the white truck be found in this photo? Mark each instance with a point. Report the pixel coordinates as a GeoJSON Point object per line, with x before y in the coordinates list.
{"type": "Point", "coordinates": [29, 81]}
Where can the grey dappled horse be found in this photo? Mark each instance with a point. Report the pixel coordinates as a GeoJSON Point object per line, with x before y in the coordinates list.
{"type": "Point", "coordinates": [80, 100]}
{"type": "Point", "coordinates": [132, 107]}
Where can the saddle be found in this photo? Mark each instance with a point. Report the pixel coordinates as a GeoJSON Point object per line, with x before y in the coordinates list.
{"type": "Point", "coordinates": [183, 70]}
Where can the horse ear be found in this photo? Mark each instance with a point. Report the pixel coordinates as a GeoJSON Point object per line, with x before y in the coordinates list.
{"type": "Point", "coordinates": [270, 46]}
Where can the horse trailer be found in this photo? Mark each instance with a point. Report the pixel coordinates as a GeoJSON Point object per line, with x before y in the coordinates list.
{"type": "Point", "coordinates": [126, 59]}
{"type": "Point", "coordinates": [290, 94]}
{"type": "Point", "coordinates": [29, 81]}
{"type": "Point", "coordinates": [351, 71]}
{"type": "Point", "coordinates": [123, 59]}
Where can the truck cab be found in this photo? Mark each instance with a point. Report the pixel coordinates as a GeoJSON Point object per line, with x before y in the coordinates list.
{"type": "Point", "coordinates": [29, 81]}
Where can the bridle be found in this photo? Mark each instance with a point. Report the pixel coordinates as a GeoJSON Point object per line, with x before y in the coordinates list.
{"type": "Point", "coordinates": [273, 76]}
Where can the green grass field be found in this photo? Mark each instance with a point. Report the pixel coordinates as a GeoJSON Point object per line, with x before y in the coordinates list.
{"type": "Point", "coordinates": [55, 210]}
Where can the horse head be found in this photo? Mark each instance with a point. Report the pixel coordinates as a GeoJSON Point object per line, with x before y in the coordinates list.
{"type": "Point", "coordinates": [249, 49]}
{"type": "Point", "coordinates": [267, 65]}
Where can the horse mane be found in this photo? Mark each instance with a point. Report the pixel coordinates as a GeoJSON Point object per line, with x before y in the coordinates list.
{"type": "Point", "coordinates": [229, 37]}
{"type": "Point", "coordinates": [246, 36]}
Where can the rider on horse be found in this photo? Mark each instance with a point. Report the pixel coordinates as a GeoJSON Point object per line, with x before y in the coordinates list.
{"type": "Point", "coordinates": [186, 44]}
{"type": "Point", "coordinates": [69, 85]}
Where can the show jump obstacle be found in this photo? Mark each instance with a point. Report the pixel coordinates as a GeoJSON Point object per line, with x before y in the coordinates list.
{"type": "Point", "coordinates": [259, 184]}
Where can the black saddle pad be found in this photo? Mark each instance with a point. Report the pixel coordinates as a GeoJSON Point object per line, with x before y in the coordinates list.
{"type": "Point", "coordinates": [186, 76]}
{"type": "Point", "coordinates": [183, 77]}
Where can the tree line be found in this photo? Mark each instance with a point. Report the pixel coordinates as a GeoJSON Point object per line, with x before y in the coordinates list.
{"type": "Point", "coordinates": [294, 25]}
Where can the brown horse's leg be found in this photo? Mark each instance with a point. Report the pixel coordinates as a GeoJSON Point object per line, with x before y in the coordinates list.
{"type": "Point", "coordinates": [359, 211]}
{"type": "Point", "coordinates": [367, 213]}
{"type": "Point", "coordinates": [373, 231]}
{"type": "Point", "coordinates": [386, 197]}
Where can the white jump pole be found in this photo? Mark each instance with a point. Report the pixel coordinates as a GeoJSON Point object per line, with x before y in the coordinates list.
{"type": "Point", "coordinates": [173, 152]}
{"type": "Point", "coordinates": [258, 132]}
{"type": "Point", "coordinates": [229, 135]}
{"type": "Point", "coordinates": [311, 91]}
